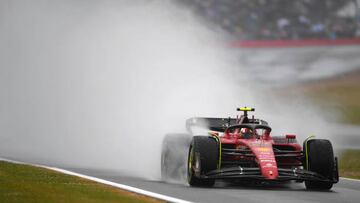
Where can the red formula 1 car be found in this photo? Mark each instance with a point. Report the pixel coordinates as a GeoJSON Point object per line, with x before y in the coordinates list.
{"type": "Point", "coordinates": [243, 149]}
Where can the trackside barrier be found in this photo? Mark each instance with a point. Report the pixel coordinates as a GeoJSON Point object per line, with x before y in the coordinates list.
{"type": "Point", "coordinates": [293, 43]}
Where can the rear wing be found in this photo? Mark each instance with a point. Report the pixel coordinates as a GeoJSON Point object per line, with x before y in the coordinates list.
{"type": "Point", "coordinates": [216, 124]}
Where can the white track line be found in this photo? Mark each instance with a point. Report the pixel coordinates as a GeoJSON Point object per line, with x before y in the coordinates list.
{"type": "Point", "coordinates": [351, 179]}
{"type": "Point", "coordinates": [121, 186]}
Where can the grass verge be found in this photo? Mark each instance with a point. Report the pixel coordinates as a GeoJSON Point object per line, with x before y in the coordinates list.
{"type": "Point", "coordinates": [349, 163]}
{"type": "Point", "coordinates": [341, 94]}
{"type": "Point", "coordinates": [24, 183]}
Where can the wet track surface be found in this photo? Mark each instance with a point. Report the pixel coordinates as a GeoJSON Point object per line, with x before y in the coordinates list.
{"type": "Point", "coordinates": [344, 191]}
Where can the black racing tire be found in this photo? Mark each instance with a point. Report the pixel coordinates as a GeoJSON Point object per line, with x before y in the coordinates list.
{"type": "Point", "coordinates": [320, 160]}
{"type": "Point", "coordinates": [173, 157]}
{"type": "Point", "coordinates": [204, 152]}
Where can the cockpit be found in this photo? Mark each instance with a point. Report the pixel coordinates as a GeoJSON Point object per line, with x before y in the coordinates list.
{"type": "Point", "coordinates": [248, 131]}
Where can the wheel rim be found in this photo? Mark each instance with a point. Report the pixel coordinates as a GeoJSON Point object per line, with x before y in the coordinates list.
{"type": "Point", "coordinates": [190, 162]}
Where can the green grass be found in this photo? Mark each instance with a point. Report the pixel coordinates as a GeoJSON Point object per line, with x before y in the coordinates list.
{"type": "Point", "coordinates": [345, 100]}
{"type": "Point", "coordinates": [341, 94]}
{"type": "Point", "coordinates": [349, 163]}
{"type": "Point", "coordinates": [23, 183]}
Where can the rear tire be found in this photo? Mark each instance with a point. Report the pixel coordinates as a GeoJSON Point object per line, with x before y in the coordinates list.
{"type": "Point", "coordinates": [202, 158]}
{"type": "Point", "coordinates": [320, 160]}
{"type": "Point", "coordinates": [173, 157]}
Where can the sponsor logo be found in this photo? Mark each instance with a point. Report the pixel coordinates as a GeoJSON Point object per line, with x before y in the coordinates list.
{"type": "Point", "coordinates": [263, 149]}
{"type": "Point", "coordinates": [267, 160]}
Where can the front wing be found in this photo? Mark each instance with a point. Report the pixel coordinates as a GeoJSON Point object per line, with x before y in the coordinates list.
{"type": "Point", "coordinates": [240, 173]}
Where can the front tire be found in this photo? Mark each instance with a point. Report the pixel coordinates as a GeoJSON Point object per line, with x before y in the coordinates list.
{"type": "Point", "coordinates": [320, 159]}
{"type": "Point", "coordinates": [203, 157]}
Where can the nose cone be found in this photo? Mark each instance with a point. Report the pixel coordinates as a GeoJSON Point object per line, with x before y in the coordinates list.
{"type": "Point", "coordinates": [269, 172]}
{"type": "Point", "coordinates": [266, 160]}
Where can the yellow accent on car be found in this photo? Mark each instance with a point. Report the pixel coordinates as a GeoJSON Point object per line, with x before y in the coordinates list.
{"type": "Point", "coordinates": [306, 150]}
{"type": "Point", "coordinates": [215, 135]}
{"type": "Point", "coordinates": [245, 109]}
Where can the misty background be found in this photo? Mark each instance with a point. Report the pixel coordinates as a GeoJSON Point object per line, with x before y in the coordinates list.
{"type": "Point", "coordinates": [98, 84]}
